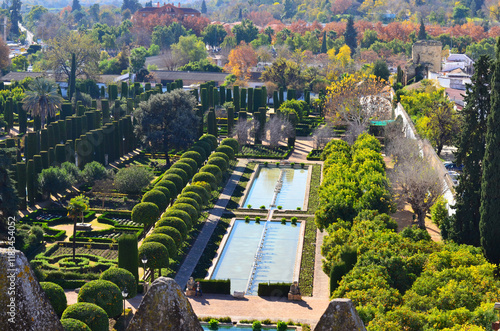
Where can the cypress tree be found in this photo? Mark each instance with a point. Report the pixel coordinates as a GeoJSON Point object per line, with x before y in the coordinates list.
{"type": "Point", "coordinates": [30, 181]}
{"type": "Point", "coordinates": [257, 99]}
{"type": "Point", "coordinates": [229, 97]}
{"type": "Point", "coordinates": [230, 121]}
{"type": "Point", "coordinates": [422, 35]}
{"type": "Point", "coordinates": [216, 97]}
{"type": "Point", "coordinates": [210, 96]}
{"type": "Point", "coordinates": [242, 116]}
{"type": "Point", "coordinates": [21, 182]}
{"type": "Point", "coordinates": [263, 97]}
{"type": "Point", "coordinates": [45, 159]}
{"type": "Point", "coordinates": [22, 117]}
{"type": "Point", "coordinates": [105, 110]}
{"type": "Point", "coordinates": [204, 99]}
{"type": "Point", "coordinates": [66, 110]}
{"type": "Point", "coordinates": [199, 112]}
{"type": "Point", "coordinates": [222, 96]}
{"type": "Point", "coordinates": [489, 224]}
{"type": "Point", "coordinates": [236, 98]}
{"type": "Point", "coordinates": [257, 137]}
{"type": "Point", "coordinates": [250, 103]}
{"type": "Point", "coordinates": [30, 145]}
{"type": "Point", "coordinates": [128, 254]}
{"type": "Point", "coordinates": [464, 226]}
{"type": "Point", "coordinates": [350, 35]}
{"type": "Point", "coordinates": [124, 90]}
{"type": "Point", "coordinates": [276, 102]}
{"type": "Point", "coordinates": [72, 77]}
{"type": "Point", "coordinates": [211, 122]}
{"type": "Point", "coordinates": [323, 44]}
{"type": "Point", "coordinates": [243, 98]}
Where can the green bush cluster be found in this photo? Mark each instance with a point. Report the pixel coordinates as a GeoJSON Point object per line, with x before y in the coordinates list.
{"type": "Point", "coordinates": [122, 278]}
{"type": "Point", "coordinates": [132, 179]}
{"type": "Point", "coordinates": [91, 314]}
{"type": "Point", "coordinates": [217, 286]}
{"type": "Point", "coordinates": [56, 296]}
{"type": "Point", "coordinates": [103, 293]}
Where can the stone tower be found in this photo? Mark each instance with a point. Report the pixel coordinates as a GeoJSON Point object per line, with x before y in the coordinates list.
{"type": "Point", "coordinates": [426, 56]}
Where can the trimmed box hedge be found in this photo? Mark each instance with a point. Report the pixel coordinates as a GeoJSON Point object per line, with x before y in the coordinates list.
{"type": "Point", "coordinates": [217, 286]}
{"type": "Point", "coordinates": [277, 290]}
{"type": "Point", "coordinates": [314, 155]}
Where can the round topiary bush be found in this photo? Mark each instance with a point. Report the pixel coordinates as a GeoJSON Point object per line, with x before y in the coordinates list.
{"type": "Point", "coordinates": [163, 190]}
{"type": "Point", "coordinates": [207, 147]}
{"type": "Point", "coordinates": [206, 186]}
{"type": "Point", "coordinates": [91, 314]}
{"type": "Point", "coordinates": [220, 154]}
{"type": "Point", "coordinates": [171, 187]}
{"type": "Point", "coordinates": [171, 232]}
{"type": "Point", "coordinates": [165, 240]}
{"type": "Point", "coordinates": [121, 278]}
{"type": "Point", "coordinates": [206, 177]}
{"type": "Point", "coordinates": [158, 198]}
{"type": "Point", "coordinates": [103, 293]}
{"type": "Point", "coordinates": [220, 162]}
{"type": "Point", "coordinates": [189, 201]}
{"type": "Point", "coordinates": [195, 156]}
{"type": "Point", "coordinates": [193, 213]}
{"type": "Point", "coordinates": [179, 214]}
{"type": "Point", "coordinates": [71, 324]}
{"type": "Point", "coordinates": [156, 253]}
{"type": "Point", "coordinates": [192, 163]}
{"type": "Point", "coordinates": [233, 143]}
{"type": "Point", "coordinates": [214, 170]}
{"type": "Point", "coordinates": [176, 179]}
{"type": "Point", "coordinates": [194, 196]}
{"type": "Point", "coordinates": [145, 213]}
{"type": "Point", "coordinates": [210, 138]}
{"type": "Point", "coordinates": [228, 150]}
{"type": "Point", "coordinates": [200, 150]}
{"type": "Point", "coordinates": [55, 294]}
{"type": "Point", "coordinates": [200, 191]}
{"type": "Point", "coordinates": [174, 222]}
{"type": "Point", "coordinates": [178, 171]}
{"type": "Point", "coordinates": [184, 166]}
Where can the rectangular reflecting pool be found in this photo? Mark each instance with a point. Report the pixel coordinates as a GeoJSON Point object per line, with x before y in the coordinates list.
{"type": "Point", "coordinates": [258, 253]}
{"type": "Point", "coordinates": [274, 187]}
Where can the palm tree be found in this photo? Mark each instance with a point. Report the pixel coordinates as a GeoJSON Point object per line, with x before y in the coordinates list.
{"type": "Point", "coordinates": [42, 99]}
{"type": "Point", "coordinates": [75, 208]}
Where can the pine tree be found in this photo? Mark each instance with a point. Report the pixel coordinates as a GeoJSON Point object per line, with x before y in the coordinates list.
{"type": "Point", "coordinates": [15, 17]}
{"type": "Point", "coordinates": [350, 35]}
{"type": "Point", "coordinates": [464, 227]}
{"type": "Point", "coordinates": [489, 225]}
{"type": "Point", "coordinates": [203, 7]}
{"type": "Point", "coordinates": [422, 35]}
{"type": "Point", "coordinates": [72, 77]}
{"type": "Point", "coordinates": [76, 5]}
{"type": "Point", "coordinates": [240, 15]}
{"type": "Point", "coordinates": [323, 44]}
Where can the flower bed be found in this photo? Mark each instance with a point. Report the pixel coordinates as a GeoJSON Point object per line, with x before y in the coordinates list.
{"type": "Point", "coordinates": [118, 219]}
{"type": "Point", "coordinates": [314, 155]}
{"type": "Point", "coordinates": [107, 235]}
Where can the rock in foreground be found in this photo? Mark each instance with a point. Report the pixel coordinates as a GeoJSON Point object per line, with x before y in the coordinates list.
{"type": "Point", "coordinates": [341, 315]}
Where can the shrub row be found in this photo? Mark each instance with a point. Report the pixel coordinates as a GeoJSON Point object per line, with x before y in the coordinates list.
{"type": "Point", "coordinates": [216, 286]}
{"type": "Point", "coordinates": [277, 290]}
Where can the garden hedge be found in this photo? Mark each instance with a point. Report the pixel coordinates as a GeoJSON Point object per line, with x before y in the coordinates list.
{"type": "Point", "coordinates": [219, 154]}
{"type": "Point", "coordinates": [174, 222]}
{"type": "Point", "coordinates": [277, 290]}
{"type": "Point", "coordinates": [145, 213]}
{"type": "Point", "coordinates": [193, 155]}
{"type": "Point", "coordinates": [164, 239]}
{"type": "Point", "coordinates": [57, 297]}
{"type": "Point", "coordinates": [200, 150]}
{"type": "Point", "coordinates": [214, 170]}
{"type": "Point", "coordinates": [71, 324]}
{"type": "Point", "coordinates": [192, 163]}
{"type": "Point", "coordinates": [92, 315]}
{"type": "Point", "coordinates": [156, 253]}
{"type": "Point", "coordinates": [127, 251]}
{"type": "Point", "coordinates": [207, 147]}
{"type": "Point", "coordinates": [189, 201]}
{"type": "Point", "coordinates": [158, 198]}
{"type": "Point", "coordinates": [184, 216]}
{"type": "Point", "coordinates": [228, 150]}
{"type": "Point", "coordinates": [190, 209]}
{"type": "Point", "coordinates": [170, 186]}
{"type": "Point", "coordinates": [200, 191]}
{"type": "Point", "coordinates": [165, 191]}
{"type": "Point", "coordinates": [172, 233]}
{"type": "Point", "coordinates": [219, 162]}
{"type": "Point", "coordinates": [194, 196]}
{"type": "Point", "coordinates": [184, 166]}
{"type": "Point", "coordinates": [211, 139]}
{"type": "Point", "coordinates": [233, 143]}
{"type": "Point", "coordinates": [176, 179]}
{"type": "Point", "coordinates": [181, 173]}
{"type": "Point", "coordinates": [206, 177]}
{"type": "Point", "coordinates": [218, 286]}
{"type": "Point", "coordinates": [122, 278]}
{"type": "Point", "coordinates": [103, 293]}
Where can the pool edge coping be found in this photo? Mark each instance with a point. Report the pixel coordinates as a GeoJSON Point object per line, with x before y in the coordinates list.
{"type": "Point", "coordinates": [218, 254]}
{"type": "Point", "coordinates": [249, 185]}
{"type": "Point", "coordinates": [308, 187]}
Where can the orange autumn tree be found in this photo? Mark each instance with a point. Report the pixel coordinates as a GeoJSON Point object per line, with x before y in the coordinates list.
{"type": "Point", "coordinates": [241, 60]}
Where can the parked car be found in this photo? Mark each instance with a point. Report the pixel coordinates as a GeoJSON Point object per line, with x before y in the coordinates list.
{"type": "Point", "coordinates": [454, 176]}
{"type": "Point", "coordinates": [453, 166]}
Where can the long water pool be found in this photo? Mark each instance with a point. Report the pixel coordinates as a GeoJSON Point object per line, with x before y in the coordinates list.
{"type": "Point", "coordinates": [274, 187]}
{"type": "Point", "coordinates": [258, 253]}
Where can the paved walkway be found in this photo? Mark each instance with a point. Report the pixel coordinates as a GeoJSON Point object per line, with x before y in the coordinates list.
{"type": "Point", "coordinates": [321, 283]}
{"type": "Point", "coordinates": [187, 267]}
{"type": "Point", "coordinates": [303, 145]}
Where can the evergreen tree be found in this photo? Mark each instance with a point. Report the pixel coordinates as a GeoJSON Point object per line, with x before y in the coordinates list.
{"type": "Point", "coordinates": [422, 35]}
{"type": "Point", "coordinates": [15, 17]}
{"type": "Point", "coordinates": [489, 225]}
{"type": "Point", "coordinates": [381, 70]}
{"type": "Point", "coordinates": [350, 35]}
{"type": "Point", "coordinates": [240, 15]}
{"type": "Point", "coordinates": [132, 5]}
{"type": "Point", "coordinates": [290, 9]}
{"type": "Point", "coordinates": [9, 200]}
{"type": "Point", "coordinates": [464, 227]}
{"type": "Point", "coordinates": [323, 44]}
{"type": "Point", "coordinates": [203, 7]}
{"type": "Point", "coordinates": [76, 5]}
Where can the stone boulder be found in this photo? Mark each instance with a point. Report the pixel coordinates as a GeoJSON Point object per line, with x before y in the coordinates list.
{"type": "Point", "coordinates": [341, 315]}
{"type": "Point", "coordinates": [164, 307]}
{"type": "Point", "coordinates": [25, 304]}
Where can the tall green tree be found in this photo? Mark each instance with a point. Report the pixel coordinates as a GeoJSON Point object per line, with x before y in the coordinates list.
{"type": "Point", "coordinates": [489, 225]}
{"type": "Point", "coordinates": [290, 9]}
{"type": "Point", "coordinates": [246, 31]}
{"type": "Point", "coordinates": [214, 34]}
{"type": "Point", "coordinates": [15, 17]}
{"type": "Point", "coordinates": [167, 121]}
{"type": "Point", "coordinates": [350, 35]}
{"type": "Point", "coordinates": [323, 44]}
{"type": "Point", "coordinates": [76, 5]}
{"type": "Point", "coordinates": [76, 207]}
{"type": "Point", "coordinates": [381, 70]}
{"type": "Point", "coordinates": [42, 99]}
{"type": "Point", "coordinates": [132, 5]}
{"type": "Point", "coordinates": [464, 226]}
{"type": "Point", "coordinates": [203, 7]}
{"type": "Point", "coordinates": [9, 201]}
{"type": "Point", "coordinates": [422, 35]}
